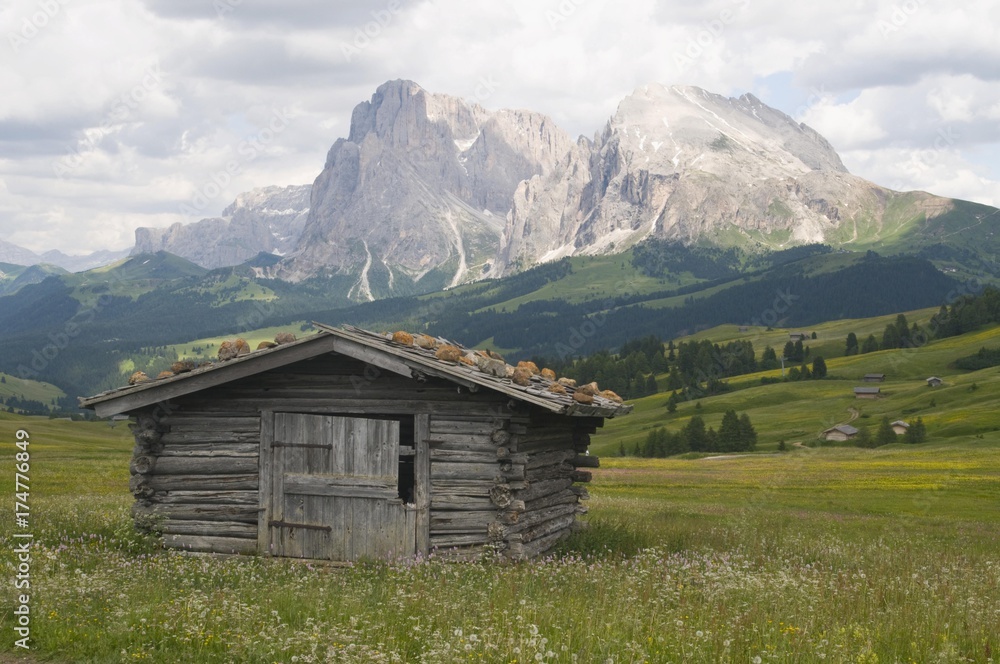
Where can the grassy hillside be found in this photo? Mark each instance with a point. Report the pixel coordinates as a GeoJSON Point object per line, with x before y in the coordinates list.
{"type": "Point", "coordinates": [966, 406]}
{"type": "Point", "coordinates": [32, 390]}
{"type": "Point", "coordinates": [207, 348]}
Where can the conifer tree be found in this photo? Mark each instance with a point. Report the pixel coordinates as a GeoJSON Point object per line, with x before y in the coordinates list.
{"type": "Point", "coordinates": [748, 435]}
{"type": "Point", "coordinates": [885, 435]}
{"type": "Point", "coordinates": [730, 439]}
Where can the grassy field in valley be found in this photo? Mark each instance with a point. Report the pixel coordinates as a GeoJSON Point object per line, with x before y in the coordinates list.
{"type": "Point", "coordinates": [828, 554]}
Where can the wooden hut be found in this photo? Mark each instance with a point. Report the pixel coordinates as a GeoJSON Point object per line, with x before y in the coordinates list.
{"type": "Point", "coordinates": [934, 381]}
{"type": "Point", "coordinates": [867, 392]}
{"type": "Point", "coordinates": [874, 378]}
{"type": "Point", "coordinates": [347, 444]}
{"type": "Point", "coordinates": [840, 433]}
{"type": "Point", "coordinates": [899, 427]}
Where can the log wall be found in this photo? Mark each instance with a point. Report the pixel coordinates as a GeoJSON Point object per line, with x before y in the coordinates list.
{"type": "Point", "coordinates": [501, 475]}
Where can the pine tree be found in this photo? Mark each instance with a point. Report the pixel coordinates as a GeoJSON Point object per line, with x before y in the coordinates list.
{"type": "Point", "coordinates": [870, 345]}
{"type": "Point", "coordinates": [672, 402]}
{"type": "Point", "coordinates": [748, 435]}
{"type": "Point", "coordinates": [852, 344]}
{"type": "Point", "coordinates": [885, 435]}
{"type": "Point", "coordinates": [695, 435]}
{"type": "Point", "coordinates": [917, 433]}
{"type": "Point", "coordinates": [902, 331]}
{"type": "Point", "coordinates": [789, 351]}
{"type": "Point", "coordinates": [729, 432]}
{"type": "Point", "coordinates": [819, 367]}
{"type": "Point", "coordinates": [768, 359]}
{"type": "Point", "coordinates": [651, 387]}
{"type": "Point", "coordinates": [799, 351]}
{"type": "Point", "coordinates": [674, 380]}
{"type": "Point", "coordinates": [864, 437]}
{"type": "Point", "coordinates": [890, 338]}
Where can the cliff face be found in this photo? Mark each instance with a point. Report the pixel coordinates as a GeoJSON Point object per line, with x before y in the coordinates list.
{"type": "Point", "coordinates": [269, 219]}
{"type": "Point", "coordinates": [421, 185]}
{"type": "Point", "coordinates": [684, 164]}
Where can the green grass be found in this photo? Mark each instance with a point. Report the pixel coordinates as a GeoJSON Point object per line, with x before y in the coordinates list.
{"type": "Point", "coordinates": [828, 554]}
{"type": "Point", "coordinates": [209, 346]}
{"type": "Point", "coordinates": [800, 411]}
{"type": "Point", "coordinates": [33, 390]}
{"type": "Point", "coordinates": [595, 277]}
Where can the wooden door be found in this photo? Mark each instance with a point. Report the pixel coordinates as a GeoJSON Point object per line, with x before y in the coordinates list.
{"type": "Point", "coordinates": [334, 488]}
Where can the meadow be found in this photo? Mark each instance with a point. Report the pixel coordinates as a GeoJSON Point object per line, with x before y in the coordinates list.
{"type": "Point", "coordinates": [815, 555]}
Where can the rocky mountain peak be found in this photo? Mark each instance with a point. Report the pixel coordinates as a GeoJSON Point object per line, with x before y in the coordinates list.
{"type": "Point", "coordinates": [268, 219]}
{"type": "Point", "coordinates": [419, 190]}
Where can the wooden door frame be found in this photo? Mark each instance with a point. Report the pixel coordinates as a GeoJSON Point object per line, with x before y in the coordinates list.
{"type": "Point", "coordinates": [421, 479]}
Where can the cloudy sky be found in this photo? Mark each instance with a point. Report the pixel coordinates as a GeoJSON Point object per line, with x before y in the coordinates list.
{"type": "Point", "coordinates": [124, 113]}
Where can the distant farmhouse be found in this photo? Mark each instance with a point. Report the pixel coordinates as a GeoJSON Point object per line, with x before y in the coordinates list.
{"type": "Point", "coordinates": [900, 427]}
{"type": "Point", "coordinates": [798, 336]}
{"type": "Point", "coordinates": [934, 381]}
{"type": "Point", "coordinates": [840, 433]}
{"type": "Point", "coordinates": [874, 378]}
{"type": "Point", "coordinates": [867, 392]}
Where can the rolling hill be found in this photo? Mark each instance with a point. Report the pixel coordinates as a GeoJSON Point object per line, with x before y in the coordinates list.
{"type": "Point", "coordinates": [965, 407]}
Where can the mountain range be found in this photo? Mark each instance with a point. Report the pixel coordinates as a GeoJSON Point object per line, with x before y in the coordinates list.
{"type": "Point", "coordinates": [13, 254]}
{"type": "Point", "coordinates": [429, 191]}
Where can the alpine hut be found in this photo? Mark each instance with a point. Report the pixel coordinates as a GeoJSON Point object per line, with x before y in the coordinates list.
{"type": "Point", "coordinates": [350, 444]}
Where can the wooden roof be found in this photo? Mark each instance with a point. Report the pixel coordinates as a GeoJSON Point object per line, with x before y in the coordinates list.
{"type": "Point", "coordinates": [867, 390]}
{"type": "Point", "coordinates": [375, 349]}
{"type": "Point", "coordinates": [845, 429]}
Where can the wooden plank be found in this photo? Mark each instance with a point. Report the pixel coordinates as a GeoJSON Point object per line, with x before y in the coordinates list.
{"type": "Point", "coordinates": [204, 512]}
{"type": "Point", "coordinates": [422, 483]}
{"type": "Point", "coordinates": [476, 456]}
{"type": "Point", "coordinates": [214, 528]}
{"type": "Point", "coordinates": [336, 490]}
{"type": "Point", "coordinates": [442, 425]}
{"type": "Point", "coordinates": [484, 471]}
{"type": "Point", "coordinates": [448, 540]}
{"type": "Point", "coordinates": [279, 538]}
{"type": "Point", "coordinates": [201, 497]}
{"type": "Point", "coordinates": [203, 449]}
{"type": "Point", "coordinates": [180, 421]}
{"type": "Point", "coordinates": [477, 439]}
{"type": "Point", "coordinates": [235, 482]}
{"type": "Point", "coordinates": [214, 465]}
{"type": "Point", "coordinates": [205, 544]}
{"type": "Point", "coordinates": [335, 510]}
{"type": "Point", "coordinates": [221, 437]}
{"type": "Point", "coordinates": [542, 488]}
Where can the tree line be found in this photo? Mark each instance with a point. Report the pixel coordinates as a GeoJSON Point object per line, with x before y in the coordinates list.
{"type": "Point", "coordinates": [735, 434]}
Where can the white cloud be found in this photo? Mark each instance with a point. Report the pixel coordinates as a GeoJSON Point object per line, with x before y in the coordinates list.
{"type": "Point", "coordinates": [884, 87]}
